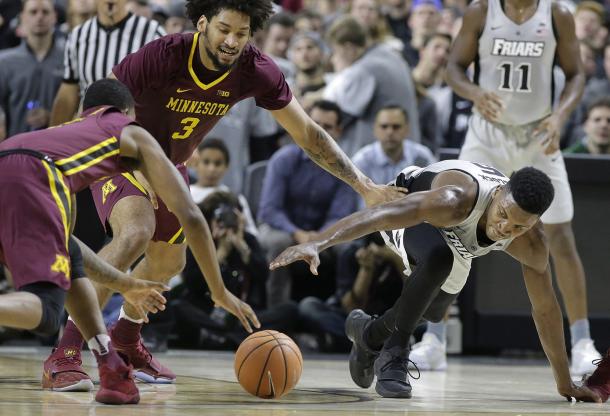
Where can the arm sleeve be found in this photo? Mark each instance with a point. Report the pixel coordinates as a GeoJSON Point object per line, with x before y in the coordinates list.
{"type": "Point", "coordinates": [352, 90]}
{"type": "Point", "coordinates": [272, 208]}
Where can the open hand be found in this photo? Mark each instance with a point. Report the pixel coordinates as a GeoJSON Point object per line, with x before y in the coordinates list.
{"type": "Point", "coordinates": [378, 194]}
{"type": "Point", "coordinates": [240, 309]}
{"type": "Point", "coordinates": [145, 296]}
{"type": "Point", "coordinates": [307, 252]}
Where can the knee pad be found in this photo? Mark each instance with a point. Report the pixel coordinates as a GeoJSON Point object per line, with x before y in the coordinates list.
{"type": "Point", "coordinates": [52, 298]}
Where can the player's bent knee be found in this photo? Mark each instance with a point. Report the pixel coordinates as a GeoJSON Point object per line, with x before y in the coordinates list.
{"type": "Point", "coordinates": [167, 267]}
{"type": "Point", "coordinates": [134, 239]}
{"type": "Point", "coordinates": [52, 298]}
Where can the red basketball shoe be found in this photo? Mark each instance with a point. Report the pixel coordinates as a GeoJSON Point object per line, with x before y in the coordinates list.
{"type": "Point", "coordinates": [117, 385]}
{"type": "Point", "coordinates": [147, 368]}
{"type": "Point", "coordinates": [599, 381]}
{"type": "Point", "coordinates": [63, 371]}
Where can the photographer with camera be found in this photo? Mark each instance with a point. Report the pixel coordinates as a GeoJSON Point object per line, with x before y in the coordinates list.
{"type": "Point", "coordinates": [244, 270]}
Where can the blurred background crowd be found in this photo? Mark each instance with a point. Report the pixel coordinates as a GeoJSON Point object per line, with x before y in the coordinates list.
{"type": "Point", "coordinates": [370, 72]}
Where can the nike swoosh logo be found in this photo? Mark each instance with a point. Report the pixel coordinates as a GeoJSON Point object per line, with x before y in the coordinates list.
{"type": "Point", "coordinates": [179, 90]}
{"type": "Point", "coordinates": [495, 27]}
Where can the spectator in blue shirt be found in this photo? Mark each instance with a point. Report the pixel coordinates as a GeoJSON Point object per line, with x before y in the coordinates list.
{"type": "Point", "coordinates": [383, 160]}
{"type": "Point", "coordinates": [300, 199]}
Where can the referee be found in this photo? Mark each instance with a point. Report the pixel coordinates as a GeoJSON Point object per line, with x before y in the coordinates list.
{"type": "Point", "coordinates": [92, 50]}
{"type": "Point", "coordinates": [95, 47]}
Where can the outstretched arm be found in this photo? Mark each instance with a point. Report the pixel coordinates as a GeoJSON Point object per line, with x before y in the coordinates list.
{"type": "Point", "coordinates": [442, 207]}
{"type": "Point", "coordinates": [532, 251]}
{"type": "Point", "coordinates": [323, 150]}
{"type": "Point", "coordinates": [165, 180]}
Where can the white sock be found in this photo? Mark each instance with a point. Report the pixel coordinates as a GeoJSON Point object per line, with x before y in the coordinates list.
{"type": "Point", "coordinates": [100, 344]}
{"type": "Point", "coordinates": [123, 315]}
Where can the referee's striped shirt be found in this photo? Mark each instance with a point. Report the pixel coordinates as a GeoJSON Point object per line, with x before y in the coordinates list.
{"type": "Point", "coordinates": [92, 50]}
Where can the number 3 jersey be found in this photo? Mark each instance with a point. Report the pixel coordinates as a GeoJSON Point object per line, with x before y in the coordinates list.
{"type": "Point", "coordinates": [178, 100]}
{"type": "Point", "coordinates": [516, 62]}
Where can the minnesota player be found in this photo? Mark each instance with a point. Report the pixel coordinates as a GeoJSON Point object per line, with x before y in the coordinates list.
{"type": "Point", "coordinates": [182, 85]}
{"type": "Point", "coordinates": [455, 211]}
{"type": "Point", "coordinates": [514, 44]}
{"type": "Point", "coordinates": [40, 172]}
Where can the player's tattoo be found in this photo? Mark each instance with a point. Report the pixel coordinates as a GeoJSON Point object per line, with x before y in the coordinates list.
{"type": "Point", "coordinates": [323, 150]}
{"type": "Point", "coordinates": [100, 271]}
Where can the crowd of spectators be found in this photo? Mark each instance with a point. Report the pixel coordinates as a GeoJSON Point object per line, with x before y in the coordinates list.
{"type": "Point", "coordinates": [370, 72]}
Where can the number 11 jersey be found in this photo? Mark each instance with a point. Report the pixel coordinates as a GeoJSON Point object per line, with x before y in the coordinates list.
{"type": "Point", "coordinates": [178, 100]}
{"type": "Point", "coordinates": [516, 62]}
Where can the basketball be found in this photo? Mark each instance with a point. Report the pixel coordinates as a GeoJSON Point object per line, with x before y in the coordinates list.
{"type": "Point", "coordinates": [268, 364]}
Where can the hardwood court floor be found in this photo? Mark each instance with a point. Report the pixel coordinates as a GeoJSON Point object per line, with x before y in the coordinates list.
{"type": "Point", "coordinates": [206, 386]}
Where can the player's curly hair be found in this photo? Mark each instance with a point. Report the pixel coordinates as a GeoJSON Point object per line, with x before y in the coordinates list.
{"type": "Point", "coordinates": [532, 190]}
{"type": "Point", "coordinates": [258, 10]}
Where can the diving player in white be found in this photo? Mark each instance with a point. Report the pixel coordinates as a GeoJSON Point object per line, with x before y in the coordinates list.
{"type": "Point", "coordinates": [514, 44]}
{"type": "Point", "coordinates": [455, 211]}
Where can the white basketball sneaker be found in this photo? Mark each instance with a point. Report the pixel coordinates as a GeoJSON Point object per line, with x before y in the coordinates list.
{"type": "Point", "coordinates": [429, 354]}
{"type": "Point", "coordinates": [583, 355]}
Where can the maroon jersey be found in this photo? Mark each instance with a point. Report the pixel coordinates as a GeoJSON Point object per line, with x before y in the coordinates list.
{"type": "Point", "coordinates": [178, 100]}
{"type": "Point", "coordinates": [85, 149]}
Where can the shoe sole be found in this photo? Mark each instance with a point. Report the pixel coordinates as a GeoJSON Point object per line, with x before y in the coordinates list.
{"type": "Point", "coordinates": [115, 397]}
{"type": "Point", "coordinates": [363, 381]}
{"type": "Point", "coordinates": [392, 394]}
{"type": "Point", "coordinates": [82, 385]}
{"type": "Point", "coordinates": [147, 378]}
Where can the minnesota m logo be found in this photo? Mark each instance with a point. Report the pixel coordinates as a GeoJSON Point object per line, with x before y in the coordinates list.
{"type": "Point", "coordinates": [61, 265]}
{"type": "Point", "coordinates": [108, 188]}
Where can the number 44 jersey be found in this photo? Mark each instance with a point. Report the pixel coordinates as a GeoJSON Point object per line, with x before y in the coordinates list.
{"type": "Point", "coordinates": [516, 62]}
{"type": "Point", "coordinates": [178, 100]}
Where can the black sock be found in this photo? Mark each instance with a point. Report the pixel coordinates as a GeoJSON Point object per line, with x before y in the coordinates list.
{"type": "Point", "coordinates": [397, 339]}
{"type": "Point", "coordinates": [375, 334]}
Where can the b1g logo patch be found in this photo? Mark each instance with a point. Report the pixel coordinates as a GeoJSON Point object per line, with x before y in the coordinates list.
{"type": "Point", "coordinates": [107, 189]}
{"type": "Point", "coordinates": [61, 265]}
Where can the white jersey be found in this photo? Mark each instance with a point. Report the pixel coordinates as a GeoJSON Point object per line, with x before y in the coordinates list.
{"type": "Point", "coordinates": [461, 238]}
{"type": "Point", "coordinates": [516, 62]}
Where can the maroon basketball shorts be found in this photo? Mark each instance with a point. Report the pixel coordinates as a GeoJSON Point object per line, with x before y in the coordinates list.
{"type": "Point", "coordinates": [34, 221]}
{"type": "Point", "coordinates": [108, 192]}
